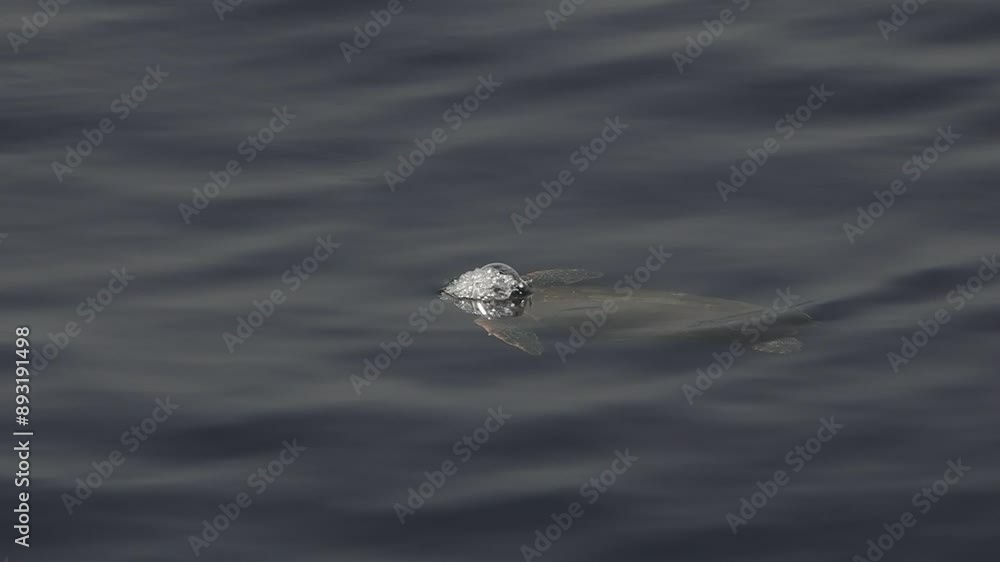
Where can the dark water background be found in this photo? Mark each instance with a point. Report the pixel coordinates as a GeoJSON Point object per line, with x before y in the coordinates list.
{"type": "Point", "coordinates": [656, 185]}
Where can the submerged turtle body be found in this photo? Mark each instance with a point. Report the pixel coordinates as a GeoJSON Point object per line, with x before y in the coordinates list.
{"type": "Point", "coordinates": [550, 304]}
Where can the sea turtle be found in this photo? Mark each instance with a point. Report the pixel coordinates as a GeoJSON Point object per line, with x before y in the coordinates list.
{"type": "Point", "coordinates": [521, 310]}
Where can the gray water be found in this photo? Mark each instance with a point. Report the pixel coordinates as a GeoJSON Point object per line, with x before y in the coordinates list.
{"type": "Point", "coordinates": [161, 337]}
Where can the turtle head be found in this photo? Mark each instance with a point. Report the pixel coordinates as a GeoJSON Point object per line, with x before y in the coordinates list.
{"type": "Point", "coordinates": [492, 291]}
{"type": "Point", "coordinates": [491, 282]}
{"type": "Point", "coordinates": [518, 286]}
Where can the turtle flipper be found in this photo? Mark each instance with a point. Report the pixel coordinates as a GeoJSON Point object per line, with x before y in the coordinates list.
{"type": "Point", "coordinates": [780, 346]}
{"type": "Point", "coordinates": [525, 340]}
{"type": "Point", "coordinates": [556, 277]}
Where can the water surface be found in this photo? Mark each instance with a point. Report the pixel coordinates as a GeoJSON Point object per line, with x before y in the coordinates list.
{"type": "Point", "coordinates": [323, 176]}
